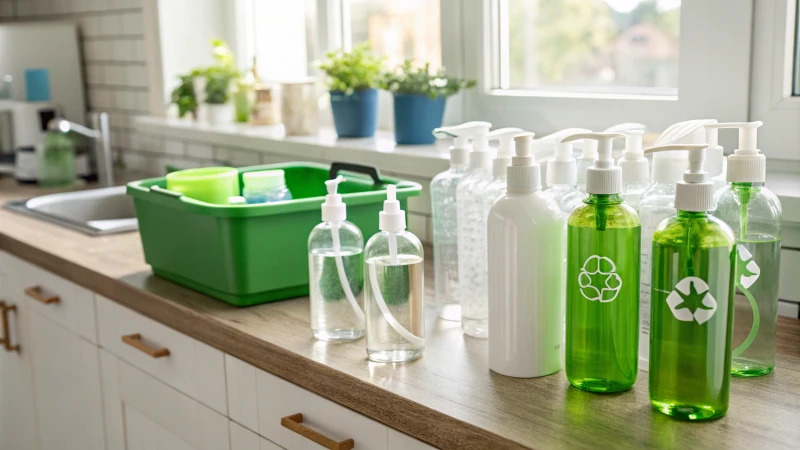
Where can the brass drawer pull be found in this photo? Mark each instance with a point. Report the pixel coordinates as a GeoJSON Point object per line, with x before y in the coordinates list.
{"type": "Point", "coordinates": [36, 292]}
{"type": "Point", "coordinates": [6, 340]}
{"type": "Point", "coordinates": [294, 423]}
{"type": "Point", "coordinates": [135, 341]}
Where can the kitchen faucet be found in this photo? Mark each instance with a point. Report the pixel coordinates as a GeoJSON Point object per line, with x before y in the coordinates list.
{"type": "Point", "coordinates": [99, 133]}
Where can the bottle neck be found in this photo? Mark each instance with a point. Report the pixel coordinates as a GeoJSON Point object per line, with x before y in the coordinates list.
{"type": "Point", "coordinates": [739, 186]}
{"type": "Point", "coordinates": [604, 199]}
{"type": "Point", "coordinates": [692, 214]}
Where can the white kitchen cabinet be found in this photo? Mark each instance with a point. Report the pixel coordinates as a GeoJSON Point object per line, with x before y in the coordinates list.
{"type": "Point", "coordinates": [143, 413]}
{"type": "Point", "coordinates": [244, 439]}
{"type": "Point", "coordinates": [400, 441]}
{"type": "Point", "coordinates": [17, 412]}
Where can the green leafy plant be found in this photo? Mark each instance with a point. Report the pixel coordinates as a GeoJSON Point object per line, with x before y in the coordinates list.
{"type": "Point", "coordinates": [219, 78]}
{"type": "Point", "coordinates": [184, 96]}
{"type": "Point", "coordinates": [353, 71]}
{"type": "Point", "coordinates": [409, 79]}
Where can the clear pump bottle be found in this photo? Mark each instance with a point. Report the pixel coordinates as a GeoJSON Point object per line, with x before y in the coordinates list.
{"type": "Point", "coordinates": [394, 303]}
{"type": "Point", "coordinates": [635, 168]}
{"type": "Point", "coordinates": [692, 301]}
{"type": "Point", "coordinates": [562, 174]}
{"type": "Point", "coordinates": [336, 273]}
{"type": "Point", "coordinates": [445, 219]}
{"type": "Point", "coordinates": [603, 252]}
{"type": "Point", "coordinates": [754, 213]}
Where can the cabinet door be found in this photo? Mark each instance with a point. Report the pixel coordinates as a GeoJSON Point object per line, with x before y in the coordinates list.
{"type": "Point", "coordinates": [17, 413]}
{"type": "Point", "coordinates": [142, 413]}
{"type": "Point", "coordinates": [66, 381]}
{"type": "Point", "coordinates": [244, 439]}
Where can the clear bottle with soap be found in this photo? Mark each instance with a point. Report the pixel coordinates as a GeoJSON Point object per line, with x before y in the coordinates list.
{"type": "Point", "coordinates": [265, 186]}
{"type": "Point", "coordinates": [562, 174]}
{"type": "Point", "coordinates": [394, 303]}
{"type": "Point", "coordinates": [635, 168]}
{"type": "Point", "coordinates": [336, 272]}
{"type": "Point", "coordinates": [692, 301]}
{"type": "Point", "coordinates": [755, 215]}
{"type": "Point", "coordinates": [445, 219]}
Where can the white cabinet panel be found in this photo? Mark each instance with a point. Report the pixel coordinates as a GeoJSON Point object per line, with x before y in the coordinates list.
{"type": "Point", "coordinates": [244, 439]}
{"type": "Point", "coordinates": [242, 400]}
{"type": "Point", "coordinates": [141, 412]}
{"type": "Point", "coordinates": [400, 441]}
{"type": "Point", "coordinates": [789, 284]}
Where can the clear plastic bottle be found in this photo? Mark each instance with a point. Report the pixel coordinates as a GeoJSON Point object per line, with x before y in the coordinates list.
{"type": "Point", "coordinates": [603, 252]}
{"type": "Point", "coordinates": [394, 303]}
{"type": "Point", "coordinates": [336, 273]}
{"type": "Point", "coordinates": [562, 175]}
{"type": "Point", "coordinates": [754, 213]}
{"type": "Point", "coordinates": [635, 168]}
{"type": "Point", "coordinates": [265, 186]}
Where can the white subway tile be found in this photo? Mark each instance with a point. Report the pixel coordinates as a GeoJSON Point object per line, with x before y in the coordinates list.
{"type": "Point", "coordinates": [198, 150]}
{"type": "Point", "coordinates": [173, 147]}
{"type": "Point", "coordinates": [111, 25]}
{"type": "Point", "coordinates": [137, 76]}
{"type": "Point", "coordinates": [240, 158]}
{"type": "Point", "coordinates": [132, 23]}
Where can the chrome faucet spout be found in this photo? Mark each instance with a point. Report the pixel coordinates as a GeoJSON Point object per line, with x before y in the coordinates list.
{"type": "Point", "coordinates": [100, 134]}
{"type": "Point", "coordinates": [65, 126]}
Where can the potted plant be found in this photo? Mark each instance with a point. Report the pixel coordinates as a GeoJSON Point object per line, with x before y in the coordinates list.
{"type": "Point", "coordinates": [353, 78]}
{"type": "Point", "coordinates": [219, 79]}
{"type": "Point", "coordinates": [184, 96]}
{"type": "Point", "coordinates": [419, 100]}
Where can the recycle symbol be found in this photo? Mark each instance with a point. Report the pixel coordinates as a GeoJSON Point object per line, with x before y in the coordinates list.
{"type": "Point", "coordinates": [599, 279]}
{"type": "Point", "coordinates": [691, 300]}
{"type": "Point", "coordinates": [748, 269]}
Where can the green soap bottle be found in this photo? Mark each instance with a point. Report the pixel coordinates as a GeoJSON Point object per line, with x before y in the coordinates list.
{"type": "Point", "coordinates": [692, 292]}
{"type": "Point", "coordinates": [603, 256]}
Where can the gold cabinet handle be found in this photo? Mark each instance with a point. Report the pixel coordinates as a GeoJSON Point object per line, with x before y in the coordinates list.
{"type": "Point", "coordinates": [6, 340]}
{"type": "Point", "coordinates": [295, 423]}
{"type": "Point", "coordinates": [36, 293]}
{"type": "Point", "coordinates": [135, 341]}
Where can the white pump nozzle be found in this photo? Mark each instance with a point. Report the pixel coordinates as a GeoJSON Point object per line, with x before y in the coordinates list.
{"type": "Point", "coordinates": [392, 218]}
{"type": "Point", "coordinates": [523, 173]}
{"type": "Point", "coordinates": [603, 177]}
{"type": "Point", "coordinates": [462, 134]}
{"type": "Point", "coordinates": [505, 149]}
{"type": "Point", "coordinates": [635, 167]}
{"type": "Point", "coordinates": [333, 210]}
{"type": "Point", "coordinates": [747, 164]}
{"type": "Point", "coordinates": [695, 192]}
{"type": "Point", "coordinates": [562, 169]}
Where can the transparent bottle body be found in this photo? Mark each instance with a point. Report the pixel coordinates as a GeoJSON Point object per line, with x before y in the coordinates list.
{"type": "Point", "coordinates": [603, 238]}
{"type": "Point", "coordinates": [754, 214]}
{"type": "Point", "coordinates": [445, 241]}
{"type": "Point", "coordinates": [333, 317]}
{"type": "Point", "coordinates": [276, 194]}
{"type": "Point", "coordinates": [692, 313]}
{"type": "Point", "coordinates": [566, 197]}
{"type": "Point", "coordinates": [394, 297]}
{"type": "Point", "coordinates": [473, 291]}
{"type": "Point", "coordinates": [632, 192]}
{"type": "Point", "coordinates": [582, 165]}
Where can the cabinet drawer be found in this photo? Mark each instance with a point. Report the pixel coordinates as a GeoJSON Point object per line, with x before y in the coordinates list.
{"type": "Point", "coordinates": [180, 361]}
{"type": "Point", "coordinates": [60, 300]}
{"type": "Point", "coordinates": [244, 439]}
{"type": "Point", "coordinates": [262, 399]}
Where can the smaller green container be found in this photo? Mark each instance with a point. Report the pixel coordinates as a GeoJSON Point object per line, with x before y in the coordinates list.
{"type": "Point", "coordinates": [251, 254]}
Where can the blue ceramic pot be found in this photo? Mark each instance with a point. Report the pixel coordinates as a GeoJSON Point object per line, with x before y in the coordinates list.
{"type": "Point", "coordinates": [355, 115]}
{"type": "Point", "coordinates": [415, 117]}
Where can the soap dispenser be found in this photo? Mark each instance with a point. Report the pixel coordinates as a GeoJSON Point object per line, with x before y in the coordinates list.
{"type": "Point", "coordinates": [505, 152]}
{"type": "Point", "coordinates": [526, 279]}
{"type": "Point", "coordinates": [562, 175]}
{"type": "Point", "coordinates": [335, 272]}
{"type": "Point", "coordinates": [394, 287]}
{"type": "Point", "coordinates": [445, 218]}
{"type": "Point", "coordinates": [692, 301]}
{"type": "Point", "coordinates": [635, 168]}
{"type": "Point", "coordinates": [754, 212]}
{"type": "Point", "coordinates": [603, 251]}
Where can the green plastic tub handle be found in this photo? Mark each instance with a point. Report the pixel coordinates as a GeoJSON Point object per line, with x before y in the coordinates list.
{"type": "Point", "coordinates": [164, 191]}
{"type": "Point", "coordinates": [372, 171]}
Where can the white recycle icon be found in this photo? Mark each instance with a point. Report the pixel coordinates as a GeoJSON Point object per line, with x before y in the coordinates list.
{"type": "Point", "coordinates": [748, 269]}
{"type": "Point", "coordinates": [603, 270]}
{"type": "Point", "coordinates": [686, 295]}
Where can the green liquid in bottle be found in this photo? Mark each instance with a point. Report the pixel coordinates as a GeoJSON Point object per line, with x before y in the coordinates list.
{"type": "Point", "coordinates": [691, 316]}
{"type": "Point", "coordinates": [603, 242]}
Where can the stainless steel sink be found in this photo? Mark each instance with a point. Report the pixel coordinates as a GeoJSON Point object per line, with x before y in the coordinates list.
{"type": "Point", "coordinates": [94, 212]}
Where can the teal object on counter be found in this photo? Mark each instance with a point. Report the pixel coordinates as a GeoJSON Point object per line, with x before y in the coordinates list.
{"type": "Point", "coordinates": [37, 85]}
{"type": "Point", "coordinates": [251, 254]}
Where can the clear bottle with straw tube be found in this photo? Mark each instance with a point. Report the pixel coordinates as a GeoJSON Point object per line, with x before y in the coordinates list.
{"type": "Point", "coordinates": [394, 287]}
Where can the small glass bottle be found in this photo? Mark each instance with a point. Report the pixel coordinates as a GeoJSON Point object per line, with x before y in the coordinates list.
{"type": "Point", "coordinates": [336, 273]}
{"type": "Point", "coordinates": [265, 186]}
{"type": "Point", "coordinates": [394, 285]}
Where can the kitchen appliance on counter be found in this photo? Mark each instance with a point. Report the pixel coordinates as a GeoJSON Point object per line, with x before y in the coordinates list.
{"type": "Point", "coordinates": [22, 127]}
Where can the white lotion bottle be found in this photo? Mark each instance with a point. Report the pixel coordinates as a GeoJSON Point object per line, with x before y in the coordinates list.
{"type": "Point", "coordinates": [526, 243]}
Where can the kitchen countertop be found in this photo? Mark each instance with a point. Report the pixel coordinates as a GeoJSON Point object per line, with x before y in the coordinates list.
{"type": "Point", "coordinates": [448, 398]}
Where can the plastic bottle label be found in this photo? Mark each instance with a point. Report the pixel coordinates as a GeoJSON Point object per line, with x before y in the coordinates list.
{"type": "Point", "coordinates": [691, 300]}
{"type": "Point", "coordinates": [599, 280]}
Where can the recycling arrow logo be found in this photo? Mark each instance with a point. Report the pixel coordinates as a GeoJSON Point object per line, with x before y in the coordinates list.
{"type": "Point", "coordinates": [748, 269]}
{"type": "Point", "coordinates": [599, 280]}
{"type": "Point", "coordinates": [691, 300]}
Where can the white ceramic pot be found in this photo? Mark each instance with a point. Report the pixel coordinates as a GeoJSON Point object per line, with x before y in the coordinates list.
{"type": "Point", "coordinates": [300, 107]}
{"type": "Point", "coordinates": [221, 114]}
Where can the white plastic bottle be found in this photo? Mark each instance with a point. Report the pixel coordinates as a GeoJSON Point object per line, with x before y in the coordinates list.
{"type": "Point", "coordinates": [445, 219]}
{"type": "Point", "coordinates": [526, 280]}
{"type": "Point", "coordinates": [635, 168]}
{"type": "Point", "coordinates": [394, 284]}
{"type": "Point", "coordinates": [336, 273]}
{"type": "Point", "coordinates": [265, 186]}
{"type": "Point", "coordinates": [505, 151]}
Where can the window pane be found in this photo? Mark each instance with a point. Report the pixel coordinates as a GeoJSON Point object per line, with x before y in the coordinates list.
{"type": "Point", "coordinates": [408, 29]}
{"type": "Point", "coordinates": [603, 46]}
{"type": "Point", "coordinates": [285, 38]}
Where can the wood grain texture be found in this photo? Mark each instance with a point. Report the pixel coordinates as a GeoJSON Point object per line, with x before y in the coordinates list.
{"type": "Point", "coordinates": [448, 398]}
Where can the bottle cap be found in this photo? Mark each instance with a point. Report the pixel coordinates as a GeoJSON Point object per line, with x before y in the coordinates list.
{"type": "Point", "coordinates": [524, 174]}
{"type": "Point", "coordinates": [695, 192]}
{"type": "Point", "coordinates": [334, 210]}
{"type": "Point", "coordinates": [264, 179]}
{"type": "Point", "coordinates": [635, 167]}
{"type": "Point", "coordinates": [747, 164]}
{"type": "Point", "coordinates": [505, 149]}
{"type": "Point", "coordinates": [392, 218]}
{"type": "Point", "coordinates": [603, 177]}
{"type": "Point", "coordinates": [562, 168]}
{"type": "Point", "coordinates": [461, 135]}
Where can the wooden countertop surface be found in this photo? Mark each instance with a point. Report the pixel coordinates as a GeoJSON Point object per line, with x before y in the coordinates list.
{"type": "Point", "coordinates": [448, 398]}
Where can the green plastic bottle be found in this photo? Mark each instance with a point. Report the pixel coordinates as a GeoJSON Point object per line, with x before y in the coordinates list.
{"type": "Point", "coordinates": [603, 255]}
{"type": "Point", "coordinates": [692, 301]}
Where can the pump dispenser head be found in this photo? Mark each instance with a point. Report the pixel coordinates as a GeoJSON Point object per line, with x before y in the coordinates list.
{"type": "Point", "coordinates": [524, 174]}
{"type": "Point", "coordinates": [461, 134]}
{"type": "Point", "coordinates": [635, 167]}
{"type": "Point", "coordinates": [695, 192]}
{"type": "Point", "coordinates": [505, 149]}
{"type": "Point", "coordinates": [333, 210]}
{"type": "Point", "coordinates": [603, 177]}
{"type": "Point", "coordinates": [562, 168]}
{"type": "Point", "coordinates": [747, 164]}
{"type": "Point", "coordinates": [392, 218]}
